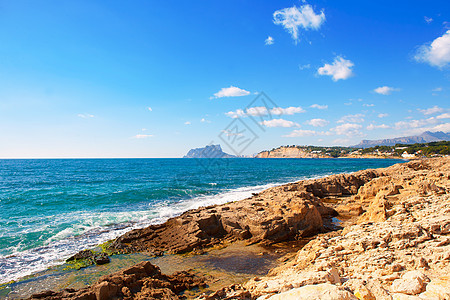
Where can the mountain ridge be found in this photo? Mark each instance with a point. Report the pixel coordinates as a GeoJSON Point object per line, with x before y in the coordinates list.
{"type": "Point", "coordinates": [426, 137]}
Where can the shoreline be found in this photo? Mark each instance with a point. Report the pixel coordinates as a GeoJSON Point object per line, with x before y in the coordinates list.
{"type": "Point", "coordinates": [328, 195]}
{"type": "Point", "coordinates": [40, 257]}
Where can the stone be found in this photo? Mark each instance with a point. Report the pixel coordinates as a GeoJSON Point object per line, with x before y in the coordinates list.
{"type": "Point", "coordinates": [411, 283]}
{"type": "Point", "coordinates": [357, 287]}
{"type": "Point", "coordinates": [101, 259]}
{"type": "Point", "coordinates": [323, 291]}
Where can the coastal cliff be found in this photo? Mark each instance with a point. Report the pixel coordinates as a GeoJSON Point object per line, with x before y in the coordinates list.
{"type": "Point", "coordinates": [392, 241]}
{"type": "Point", "coordinates": [290, 152]}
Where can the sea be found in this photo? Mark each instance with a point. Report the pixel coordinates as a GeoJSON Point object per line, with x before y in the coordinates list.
{"type": "Point", "coordinates": [52, 208]}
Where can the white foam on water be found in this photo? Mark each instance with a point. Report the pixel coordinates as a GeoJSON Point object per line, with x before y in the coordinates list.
{"type": "Point", "coordinates": [94, 228]}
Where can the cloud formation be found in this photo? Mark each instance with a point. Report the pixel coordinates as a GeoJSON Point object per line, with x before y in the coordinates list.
{"type": "Point", "coordinates": [287, 111]}
{"type": "Point", "coordinates": [443, 116]}
{"type": "Point", "coordinates": [348, 129]}
{"type": "Point", "coordinates": [263, 111]}
{"type": "Point", "coordinates": [269, 41]}
{"type": "Point", "coordinates": [432, 110]}
{"type": "Point", "coordinates": [317, 122]}
{"type": "Point", "coordinates": [385, 90]}
{"type": "Point", "coordinates": [85, 116]}
{"type": "Point", "coordinates": [382, 115]}
{"type": "Point", "coordinates": [319, 106]}
{"type": "Point", "coordinates": [373, 127]}
{"type": "Point", "coordinates": [301, 133]}
{"type": "Point", "coordinates": [340, 69]}
{"type": "Point", "coordinates": [436, 54]}
{"type": "Point", "coordinates": [279, 123]}
{"type": "Point", "coordinates": [357, 118]}
{"type": "Point", "coordinates": [231, 91]}
{"type": "Point", "coordinates": [293, 19]}
{"type": "Point", "coordinates": [142, 136]}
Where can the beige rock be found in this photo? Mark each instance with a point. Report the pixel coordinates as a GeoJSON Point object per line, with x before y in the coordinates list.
{"type": "Point", "coordinates": [377, 290]}
{"type": "Point", "coordinates": [438, 289]}
{"type": "Point", "coordinates": [358, 288]}
{"type": "Point", "coordinates": [404, 297]}
{"type": "Point", "coordinates": [411, 283]}
{"type": "Point", "coordinates": [323, 291]}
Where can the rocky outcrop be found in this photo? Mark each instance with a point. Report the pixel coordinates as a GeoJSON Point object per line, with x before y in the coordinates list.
{"type": "Point", "coordinates": [397, 246]}
{"type": "Point", "coordinates": [399, 250]}
{"type": "Point", "coordinates": [266, 218]}
{"type": "Point", "coordinates": [210, 151]}
{"type": "Point", "coordinates": [290, 152]}
{"type": "Point", "coordinates": [142, 281]}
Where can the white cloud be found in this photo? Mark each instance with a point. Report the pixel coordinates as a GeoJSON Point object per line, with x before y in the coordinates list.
{"type": "Point", "coordinates": [339, 69]}
{"type": "Point", "coordinates": [231, 133]}
{"type": "Point", "coordinates": [319, 106]}
{"type": "Point", "coordinates": [437, 54]}
{"type": "Point", "coordinates": [85, 116]}
{"type": "Point", "coordinates": [279, 123]}
{"type": "Point", "coordinates": [369, 105]}
{"type": "Point", "coordinates": [304, 67]}
{"type": "Point", "coordinates": [231, 91]}
{"type": "Point", "coordinates": [293, 19]}
{"type": "Point", "coordinates": [419, 126]}
{"type": "Point", "coordinates": [373, 126]}
{"type": "Point", "coordinates": [142, 136]}
{"type": "Point", "coordinates": [441, 127]}
{"type": "Point", "coordinates": [187, 123]}
{"type": "Point", "coordinates": [432, 110]}
{"type": "Point", "coordinates": [415, 123]}
{"type": "Point", "coordinates": [438, 89]}
{"type": "Point", "coordinates": [341, 142]}
{"type": "Point", "coordinates": [287, 111]}
{"type": "Point", "coordinates": [358, 118]}
{"type": "Point", "coordinates": [348, 129]}
{"type": "Point", "coordinates": [257, 111]}
{"type": "Point", "coordinates": [263, 111]}
{"type": "Point", "coordinates": [385, 90]}
{"type": "Point", "coordinates": [236, 114]}
{"type": "Point", "coordinates": [317, 122]}
{"type": "Point", "coordinates": [203, 120]}
{"type": "Point", "coordinates": [428, 20]}
{"type": "Point", "coordinates": [443, 116]}
{"type": "Point", "coordinates": [149, 108]}
{"type": "Point", "coordinates": [300, 133]}
{"type": "Point", "coordinates": [382, 115]}
{"type": "Point", "coordinates": [269, 41]}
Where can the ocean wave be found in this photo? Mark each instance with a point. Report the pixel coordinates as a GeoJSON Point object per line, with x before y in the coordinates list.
{"type": "Point", "coordinates": [92, 228]}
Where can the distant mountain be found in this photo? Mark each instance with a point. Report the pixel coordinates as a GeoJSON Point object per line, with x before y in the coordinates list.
{"type": "Point", "coordinates": [426, 137]}
{"type": "Point", "coordinates": [211, 151]}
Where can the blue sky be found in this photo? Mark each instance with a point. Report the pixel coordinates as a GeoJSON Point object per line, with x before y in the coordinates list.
{"type": "Point", "coordinates": [156, 78]}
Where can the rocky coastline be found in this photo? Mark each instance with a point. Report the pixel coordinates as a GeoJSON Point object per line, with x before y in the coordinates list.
{"type": "Point", "coordinates": [392, 242]}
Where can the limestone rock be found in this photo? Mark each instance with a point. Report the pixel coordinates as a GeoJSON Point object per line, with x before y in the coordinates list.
{"type": "Point", "coordinates": [411, 283]}
{"type": "Point", "coordinates": [323, 291]}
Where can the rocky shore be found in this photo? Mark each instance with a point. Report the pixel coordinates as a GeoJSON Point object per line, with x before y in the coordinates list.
{"type": "Point", "coordinates": [393, 241]}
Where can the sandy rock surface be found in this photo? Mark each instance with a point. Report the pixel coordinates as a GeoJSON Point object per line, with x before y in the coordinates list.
{"type": "Point", "coordinates": [400, 248]}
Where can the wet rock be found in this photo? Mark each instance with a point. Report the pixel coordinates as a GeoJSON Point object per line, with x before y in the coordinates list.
{"type": "Point", "coordinates": [141, 281]}
{"type": "Point", "coordinates": [85, 254]}
{"type": "Point", "coordinates": [101, 259]}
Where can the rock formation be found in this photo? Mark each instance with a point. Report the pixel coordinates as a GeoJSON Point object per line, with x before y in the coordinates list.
{"type": "Point", "coordinates": [400, 248]}
{"type": "Point", "coordinates": [142, 281]}
{"type": "Point", "coordinates": [210, 151]}
{"type": "Point", "coordinates": [395, 243]}
{"type": "Point", "coordinates": [290, 152]}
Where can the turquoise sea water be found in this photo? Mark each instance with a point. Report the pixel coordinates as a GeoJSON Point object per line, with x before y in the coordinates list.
{"type": "Point", "coordinates": [53, 208]}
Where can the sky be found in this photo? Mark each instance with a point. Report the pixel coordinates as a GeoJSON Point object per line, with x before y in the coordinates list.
{"type": "Point", "coordinates": [87, 79]}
